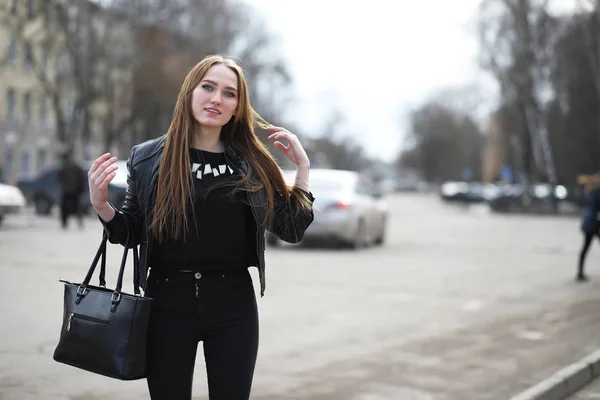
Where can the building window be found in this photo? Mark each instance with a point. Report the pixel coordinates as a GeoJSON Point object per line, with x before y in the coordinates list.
{"type": "Point", "coordinates": [60, 63]}
{"type": "Point", "coordinates": [12, 52]}
{"type": "Point", "coordinates": [8, 162]}
{"type": "Point", "coordinates": [43, 61]}
{"type": "Point", "coordinates": [42, 157]}
{"type": "Point", "coordinates": [27, 106]}
{"type": "Point", "coordinates": [30, 8]}
{"type": "Point", "coordinates": [28, 56]}
{"type": "Point", "coordinates": [25, 164]}
{"type": "Point", "coordinates": [10, 104]}
{"type": "Point", "coordinates": [70, 104]}
{"type": "Point", "coordinates": [43, 110]}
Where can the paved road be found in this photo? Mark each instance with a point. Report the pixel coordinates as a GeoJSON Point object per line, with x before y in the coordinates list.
{"type": "Point", "coordinates": [458, 304]}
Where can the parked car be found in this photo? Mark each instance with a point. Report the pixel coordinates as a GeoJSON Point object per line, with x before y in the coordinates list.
{"type": "Point", "coordinates": [44, 191]}
{"type": "Point", "coordinates": [349, 209]}
{"type": "Point", "coordinates": [544, 198]}
{"type": "Point", "coordinates": [468, 192]}
{"type": "Point", "coordinates": [11, 200]}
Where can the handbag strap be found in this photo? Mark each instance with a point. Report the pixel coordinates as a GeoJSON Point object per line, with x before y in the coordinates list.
{"type": "Point", "coordinates": [136, 271]}
{"type": "Point", "coordinates": [136, 262]}
{"type": "Point", "coordinates": [103, 261]}
{"type": "Point", "coordinates": [101, 253]}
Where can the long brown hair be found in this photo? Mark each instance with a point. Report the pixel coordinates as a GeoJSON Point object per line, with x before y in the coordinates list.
{"type": "Point", "coordinates": [174, 191]}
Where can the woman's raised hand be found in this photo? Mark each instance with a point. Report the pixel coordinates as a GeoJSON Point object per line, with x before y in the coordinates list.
{"type": "Point", "coordinates": [100, 174]}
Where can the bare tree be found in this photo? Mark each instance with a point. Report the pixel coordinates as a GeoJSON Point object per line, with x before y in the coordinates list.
{"type": "Point", "coordinates": [589, 23]}
{"type": "Point", "coordinates": [335, 147]}
{"type": "Point", "coordinates": [573, 121]}
{"type": "Point", "coordinates": [515, 38]}
{"type": "Point", "coordinates": [171, 36]}
{"type": "Point", "coordinates": [442, 143]}
{"type": "Point", "coordinates": [122, 62]}
{"type": "Point", "coordinates": [62, 49]}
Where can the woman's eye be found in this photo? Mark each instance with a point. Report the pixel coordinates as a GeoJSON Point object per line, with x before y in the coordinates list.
{"type": "Point", "coordinates": [229, 94]}
{"type": "Point", "coordinates": [207, 87]}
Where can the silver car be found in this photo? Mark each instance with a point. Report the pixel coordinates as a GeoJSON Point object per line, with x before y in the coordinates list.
{"type": "Point", "coordinates": [12, 200]}
{"type": "Point", "coordinates": [349, 209]}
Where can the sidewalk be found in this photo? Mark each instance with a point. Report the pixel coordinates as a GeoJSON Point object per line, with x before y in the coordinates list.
{"type": "Point", "coordinates": [576, 381]}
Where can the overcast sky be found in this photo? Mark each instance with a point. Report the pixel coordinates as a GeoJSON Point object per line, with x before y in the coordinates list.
{"type": "Point", "coordinates": [378, 59]}
{"type": "Point", "coordinates": [375, 60]}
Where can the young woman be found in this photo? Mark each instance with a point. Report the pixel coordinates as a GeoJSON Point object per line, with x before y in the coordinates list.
{"type": "Point", "coordinates": [198, 203]}
{"type": "Point", "coordinates": [590, 226]}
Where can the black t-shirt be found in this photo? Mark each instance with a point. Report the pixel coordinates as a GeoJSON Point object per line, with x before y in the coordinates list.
{"type": "Point", "coordinates": [221, 227]}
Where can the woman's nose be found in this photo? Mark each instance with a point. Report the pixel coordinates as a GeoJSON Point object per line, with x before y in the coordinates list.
{"type": "Point", "coordinates": [216, 99]}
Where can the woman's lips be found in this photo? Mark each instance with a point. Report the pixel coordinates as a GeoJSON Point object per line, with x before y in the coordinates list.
{"type": "Point", "coordinates": [212, 111]}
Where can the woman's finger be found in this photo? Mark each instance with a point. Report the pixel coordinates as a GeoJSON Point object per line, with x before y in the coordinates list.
{"type": "Point", "coordinates": [107, 180]}
{"type": "Point", "coordinates": [280, 131]}
{"type": "Point", "coordinates": [111, 169]}
{"type": "Point", "coordinates": [290, 137]}
{"type": "Point", "coordinates": [97, 163]}
{"type": "Point", "coordinates": [281, 146]}
{"type": "Point", "coordinates": [273, 128]}
{"type": "Point", "coordinates": [102, 167]}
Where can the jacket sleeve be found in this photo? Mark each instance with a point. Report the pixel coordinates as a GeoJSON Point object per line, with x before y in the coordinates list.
{"type": "Point", "coordinates": [595, 205]}
{"type": "Point", "coordinates": [127, 222]}
{"type": "Point", "coordinates": [290, 219]}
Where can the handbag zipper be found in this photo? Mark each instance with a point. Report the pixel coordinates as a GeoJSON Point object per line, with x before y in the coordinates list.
{"type": "Point", "coordinates": [84, 317]}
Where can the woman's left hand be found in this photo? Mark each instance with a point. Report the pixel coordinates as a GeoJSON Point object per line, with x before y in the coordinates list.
{"type": "Point", "coordinates": [294, 150]}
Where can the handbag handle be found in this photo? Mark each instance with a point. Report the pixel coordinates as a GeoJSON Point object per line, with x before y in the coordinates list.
{"type": "Point", "coordinates": [136, 271]}
{"type": "Point", "coordinates": [116, 296]}
{"type": "Point", "coordinates": [103, 261]}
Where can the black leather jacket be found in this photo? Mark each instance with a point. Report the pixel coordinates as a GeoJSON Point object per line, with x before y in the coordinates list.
{"type": "Point", "coordinates": [135, 216]}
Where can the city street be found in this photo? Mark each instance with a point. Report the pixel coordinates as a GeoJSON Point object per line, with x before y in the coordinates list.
{"type": "Point", "coordinates": [458, 304]}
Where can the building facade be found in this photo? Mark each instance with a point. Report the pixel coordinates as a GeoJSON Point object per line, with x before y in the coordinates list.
{"type": "Point", "coordinates": [28, 127]}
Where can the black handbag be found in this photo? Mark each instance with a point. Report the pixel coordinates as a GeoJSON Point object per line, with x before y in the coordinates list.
{"type": "Point", "coordinates": [103, 330]}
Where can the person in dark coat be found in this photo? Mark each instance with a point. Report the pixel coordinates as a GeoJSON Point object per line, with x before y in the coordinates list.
{"type": "Point", "coordinates": [590, 226]}
{"type": "Point", "coordinates": [72, 181]}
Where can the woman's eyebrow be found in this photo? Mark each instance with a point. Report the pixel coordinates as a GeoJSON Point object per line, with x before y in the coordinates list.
{"type": "Point", "coordinates": [216, 84]}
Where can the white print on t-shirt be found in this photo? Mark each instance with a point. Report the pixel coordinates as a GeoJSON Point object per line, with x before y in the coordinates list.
{"type": "Point", "coordinates": [199, 171]}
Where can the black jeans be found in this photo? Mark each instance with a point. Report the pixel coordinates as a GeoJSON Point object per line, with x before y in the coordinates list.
{"type": "Point", "coordinates": [218, 309]}
{"type": "Point", "coordinates": [587, 240]}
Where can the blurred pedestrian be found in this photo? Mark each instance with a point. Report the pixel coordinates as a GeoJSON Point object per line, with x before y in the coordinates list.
{"type": "Point", "coordinates": [590, 224]}
{"type": "Point", "coordinates": [72, 182]}
{"type": "Point", "coordinates": [198, 203]}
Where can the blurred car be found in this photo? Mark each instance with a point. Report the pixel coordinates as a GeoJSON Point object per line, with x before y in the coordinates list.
{"type": "Point", "coordinates": [117, 188]}
{"type": "Point", "coordinates": [468, 192]}
{"type": "Point", "coordinates": [349, 209]}
{"type": "Point", "coordinates": [544, 198]}
{"type": "Point", "coordinates": [12, 200]}
{"type": "Point", "coordinates": [44, 191]}
{"type": "Point", "coordinates": [454, 191]}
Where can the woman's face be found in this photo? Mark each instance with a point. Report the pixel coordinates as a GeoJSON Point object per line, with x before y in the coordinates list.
{"type": "Point", "coordinates": [215, 99]}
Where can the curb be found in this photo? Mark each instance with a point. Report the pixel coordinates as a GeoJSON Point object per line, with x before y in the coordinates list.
{"type": "Point", "coordinates": [566, 381]}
